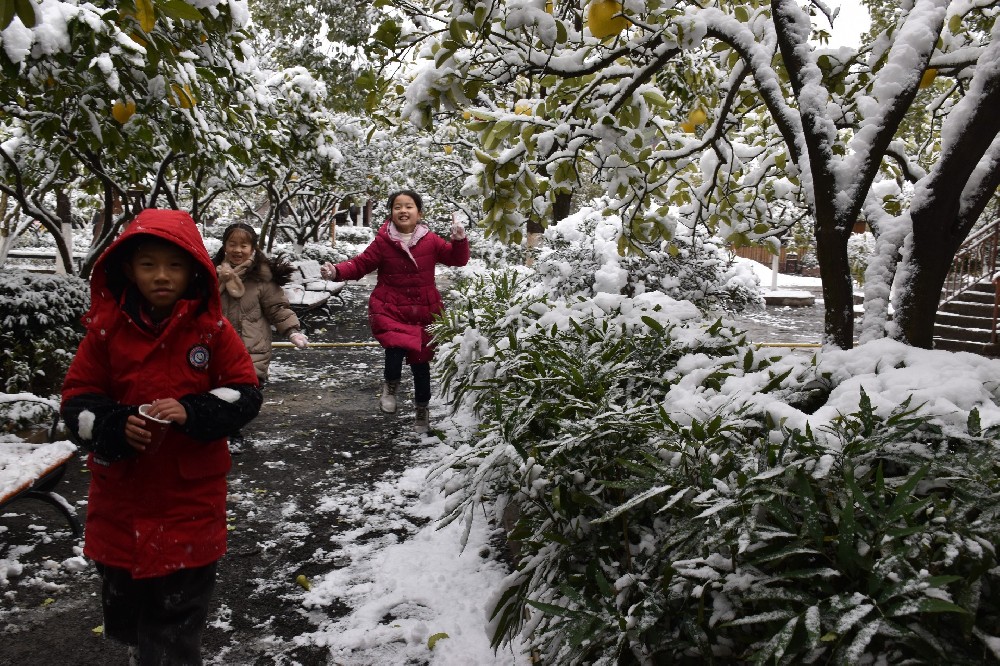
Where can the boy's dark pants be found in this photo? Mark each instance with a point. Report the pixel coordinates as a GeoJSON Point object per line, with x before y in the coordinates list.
{"type": "Point", "coordinates": [163, 616]}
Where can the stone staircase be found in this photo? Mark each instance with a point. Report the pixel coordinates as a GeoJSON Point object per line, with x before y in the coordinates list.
{"type": "Point", "coordinates": [966, 322]}
{"type": "Point", "coordinates": [967, 315]}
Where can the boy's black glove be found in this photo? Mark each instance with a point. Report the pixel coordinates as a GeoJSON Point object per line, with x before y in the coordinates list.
{"type": "Point", "coordinates": [210, 417]}
{"type": "Point", "coordinates": [96, 423]}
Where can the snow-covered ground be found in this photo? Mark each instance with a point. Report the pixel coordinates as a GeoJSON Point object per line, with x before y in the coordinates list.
{"type": "Point", "coordinates": [442, 594]}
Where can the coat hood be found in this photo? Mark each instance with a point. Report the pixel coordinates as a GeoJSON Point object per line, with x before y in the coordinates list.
{"type": "Point", "coordinates": [108, 280]}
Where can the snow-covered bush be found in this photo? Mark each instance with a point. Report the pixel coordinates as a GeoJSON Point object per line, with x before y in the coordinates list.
{"type": "Point", "coordinates": [668, 501]}
{"type": "Point", "coordinates": [39, 329]}
{"type": "Point", "coordinates": [581, 257]}
{"type": "Point", "coordinates": [851, 545]}
{"type": "Point", "coordinates": [355, 235]}
{"type": "Point", "coordinates": [859, 248]}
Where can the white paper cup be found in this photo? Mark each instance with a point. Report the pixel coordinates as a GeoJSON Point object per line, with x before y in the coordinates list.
{"type": "Point", "coordinates": [158, 428]}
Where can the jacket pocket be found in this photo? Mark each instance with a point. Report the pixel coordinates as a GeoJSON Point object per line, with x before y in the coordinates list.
{"type": "Point", "coordinates": [205, 459]}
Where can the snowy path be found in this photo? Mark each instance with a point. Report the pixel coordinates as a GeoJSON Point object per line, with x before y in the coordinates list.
{"type": "Point", "coordinates": [329, 489]}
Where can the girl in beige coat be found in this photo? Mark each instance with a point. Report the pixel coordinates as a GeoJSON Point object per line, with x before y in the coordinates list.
{"type": "Point", "coordinates": [252, 298]}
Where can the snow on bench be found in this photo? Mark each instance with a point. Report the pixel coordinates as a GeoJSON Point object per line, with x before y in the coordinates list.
{"type": "Point", "coordinates": [308, 289]}
{"type": "Point", "coordinates": [303, 300]}
{"type": "Point", "coordinates": [313, 280]}
{"type": "Point", "coordinates": [33, 470]}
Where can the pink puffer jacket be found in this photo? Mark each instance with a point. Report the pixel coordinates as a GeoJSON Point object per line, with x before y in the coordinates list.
{"type": "Point", "coordinates": [405, 298]}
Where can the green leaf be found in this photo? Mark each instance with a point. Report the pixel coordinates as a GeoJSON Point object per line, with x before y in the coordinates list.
{"type": "Point", "coordinates": [775, 381]}
{"type": "Point", "coordinates": [434, 638]}
{"type": "Point", "coordinates": [552, 609]}
{"type": "Point", "coordinates": [7, 11]}
{"type": "Point", "coordinates": [594, 573]}
{"type": "Point", "coordinates": [387, 34]}
{"type": "Point", "coordinates": [928, 605]}
{"type": "Point", "coordinates": [652, 323]}
{"type": "Point", "coordinates": [847, 551]}
{"type": "Point", "coordinates": [26, 12]}
{"type": "Point", "coordinates": [899, 506]}
{"type": "Point", "coordinates": [973, 423]}
{"type": "Point", "coordinates": [443, 54]}
{"type": "Point", "coordinates": [178, 9]}
{"type": "Point", "coordinates": [635, 501]}
{"type": "Point", "coordinates": [456, 31]}
{"type": "Point", "coordinates": [812, 522]}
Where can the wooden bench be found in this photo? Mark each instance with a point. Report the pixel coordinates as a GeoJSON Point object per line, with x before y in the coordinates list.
{"type": "Point", "coordinates": [308, 290]}
{"type": "Point", "coordinates": [35, 256]}
{"type": "Point", "coordinates": [30, 470]}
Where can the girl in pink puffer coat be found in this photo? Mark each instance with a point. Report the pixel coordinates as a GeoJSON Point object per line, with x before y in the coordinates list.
{"type": "Point", "coordinates": [405, 299]}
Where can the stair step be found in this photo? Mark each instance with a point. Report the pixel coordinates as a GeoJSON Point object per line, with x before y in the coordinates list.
{"type": "Point", "coordinates": [974, 295]}
{"type": "Point", "coordinates": [981, 348]}
{"type": "Point", "coordinates": [959, 320]}
{"type": "Point", "coordinates": [968, 308]}
{"type": "Point", "coordinates": [986, 287]}
{"type": "Point", "coordinates": [962, 333]}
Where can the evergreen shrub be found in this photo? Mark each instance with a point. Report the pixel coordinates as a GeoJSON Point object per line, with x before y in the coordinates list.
{"type": "Point", "coordinates": [645, 535]}
{"type": "Point", "coordinates": [40, 329]}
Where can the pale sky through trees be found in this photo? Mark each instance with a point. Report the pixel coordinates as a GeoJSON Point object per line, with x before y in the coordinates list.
{"type": "Point", "coordinates": [850, 23]}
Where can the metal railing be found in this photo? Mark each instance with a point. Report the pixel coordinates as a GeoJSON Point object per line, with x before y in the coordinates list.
{"type": "Point", "coordinates": [975, 262]}
{"type": "Point", "coordinates": [996, 309]}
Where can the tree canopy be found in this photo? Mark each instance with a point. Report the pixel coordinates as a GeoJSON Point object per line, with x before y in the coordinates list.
{"type": "Point", "coordinates": [727, 115]}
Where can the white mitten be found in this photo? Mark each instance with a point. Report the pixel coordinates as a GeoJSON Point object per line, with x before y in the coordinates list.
{"type": "Point", "coordinates": [299, 340]}
{"type": "Point", "coordinates": [457, 230]}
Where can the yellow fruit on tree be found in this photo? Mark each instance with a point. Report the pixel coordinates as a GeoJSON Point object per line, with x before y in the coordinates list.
{"type": "Point", "coordinates": [448, 149]}
{"type": "Point", "coordinates": [928, 78]}
{"type": "Point", "coordinates": [122, 111]}
{"type": "Point", "coordinates": [697, 117]}
{"type": "Point", "coordinates": [688, 127]}
{"type": "Point", "coordinates": [548, 7]}
{"type": "Point", "coordinates": [602, 19]}
{"type": "Point", "coordinates": [466, 115]}
{"type": "Point", "coordinates": [182, 97]}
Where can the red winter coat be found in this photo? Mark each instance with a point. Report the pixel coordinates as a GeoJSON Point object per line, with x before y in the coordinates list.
{"type": "Point", "coordinates": [405, 298]}
{"type": "Point", "coordinates": [154, 513]}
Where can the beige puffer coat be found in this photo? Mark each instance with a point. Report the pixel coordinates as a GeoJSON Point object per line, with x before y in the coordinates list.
{"type": "Point", "coordinates": [262, 305]}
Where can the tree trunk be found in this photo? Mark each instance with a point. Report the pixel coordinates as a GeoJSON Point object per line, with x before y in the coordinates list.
{"type": "Point", "coordinates": [561, 207]}
{"type": "Point", "coordinates": [917, 305]}
{"type": "Point", "coordinates": [838, 293]}
{"type": "Point", "coordinates": [934, 246]}
{"type": "Point", "coordinates": [64, 211]}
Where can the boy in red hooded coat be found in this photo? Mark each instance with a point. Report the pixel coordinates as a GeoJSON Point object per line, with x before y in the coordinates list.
{"type": "Point", "coordinates": [156, 519]}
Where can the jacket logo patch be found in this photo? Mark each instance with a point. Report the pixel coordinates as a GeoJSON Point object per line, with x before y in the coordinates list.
{"type": "Point", "coordinates": [198, 357]}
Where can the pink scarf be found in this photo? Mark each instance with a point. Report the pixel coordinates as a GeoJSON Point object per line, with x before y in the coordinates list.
{"type": "Point", "coordinates": [419, 232]}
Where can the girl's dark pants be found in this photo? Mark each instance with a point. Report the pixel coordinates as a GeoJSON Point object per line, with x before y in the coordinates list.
{"type": "Point", "coordinates": [164, 616]}
{"type": "Point", "coordinates": [394, 357]}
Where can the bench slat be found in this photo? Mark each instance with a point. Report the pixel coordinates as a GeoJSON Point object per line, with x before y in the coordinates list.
{"type": "Point", "coordinates": [22, 464]}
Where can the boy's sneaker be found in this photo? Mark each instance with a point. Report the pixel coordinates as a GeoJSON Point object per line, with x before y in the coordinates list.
{"type": "Point", "coordinates": [387, 401]}
{"type": "Point", "coordinates": [422, 423]}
